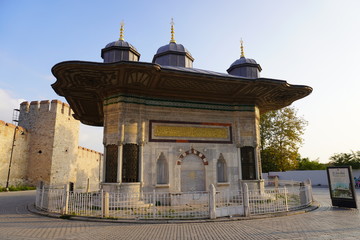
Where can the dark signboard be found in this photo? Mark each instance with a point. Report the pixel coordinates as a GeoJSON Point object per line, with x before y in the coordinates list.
{"type": "Point", "coordinates": [341, 187]}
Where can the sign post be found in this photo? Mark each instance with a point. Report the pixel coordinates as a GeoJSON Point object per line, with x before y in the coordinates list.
{"type": "Point", "coordinates": [341, 186]}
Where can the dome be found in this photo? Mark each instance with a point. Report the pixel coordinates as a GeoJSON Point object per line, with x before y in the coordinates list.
{"type": "Point", "coordinates": [173, 54]}
{"type": "Point", "coordinates": [120, 43]}
{"type": "Point", "coordinates": [119, 50]}
{"type": "Point", "coordinates": [174, 47]}
{"type": "Point", "coordinates": [245, 67]}
{"type": "Point", "coordinates": [243, 60]}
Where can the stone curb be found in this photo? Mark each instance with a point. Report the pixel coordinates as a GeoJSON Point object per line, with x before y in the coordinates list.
{"type": "Point", "coordinates": [31, 208]}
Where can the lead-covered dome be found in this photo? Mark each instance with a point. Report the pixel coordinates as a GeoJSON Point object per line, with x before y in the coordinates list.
{"type": "Point", "coordinates": [245, 67]}
{"type": "Point", "coordinates": [173, 54]}
{"type": "Point", "coordinates": [120, 50]}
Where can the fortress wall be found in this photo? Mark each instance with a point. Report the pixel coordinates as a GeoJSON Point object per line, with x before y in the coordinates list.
{"type": "Point", "coordinates": [53, 140]}
{"type": "Point", "coordinates": [19, 156]}
{"type": "Point", "coordinates": [37, 118]}
{"type": "Point", "coordinates": [88, 169]}
{"type": "Point", "coordinates": [46, 148]}
{"type": "Point", "coordinates": [65, 144]}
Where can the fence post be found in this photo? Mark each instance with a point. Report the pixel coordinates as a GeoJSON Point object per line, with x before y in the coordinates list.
{"type": "Point", "coordinates": [105, 201]}
{"type": "Point", "coordinates": [102, 202]}
{"type": "Point", "coordinates": [286, 199]}
{"type": "Point", "coordinates": [212, 201]}
{"type": "Point", "coordinates": [154, 203]}
{"type": "Point", "coordinates": [246, 200]}
{"type": "Point", "coordinates": [303, 194]}
{"type": "Point", "coordinates": [42, 197]}
{"type": "Point", "coordinates": [310, 190]}
{"type": "Point", "coordinates": [65, 205]}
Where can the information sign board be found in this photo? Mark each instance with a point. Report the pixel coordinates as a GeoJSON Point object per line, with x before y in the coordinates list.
{"type": "Point", "coordinates": [341, 186]}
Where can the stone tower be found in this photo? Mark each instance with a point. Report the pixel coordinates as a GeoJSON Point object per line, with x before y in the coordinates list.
{"type": "Point", "coordinates": [53, 146]}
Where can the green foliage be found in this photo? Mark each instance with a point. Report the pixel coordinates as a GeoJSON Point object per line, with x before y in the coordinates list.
{"type": "Point", "coordinates": [307, 164]}
{"type": "Point", "coordinates": [65, 216]}
{"type": "Point", "coordinates": [342, 159]}
{"type": "Point", "coordinates": [281, 136]}
{"type": "Point", "coordinates": [17, 188]}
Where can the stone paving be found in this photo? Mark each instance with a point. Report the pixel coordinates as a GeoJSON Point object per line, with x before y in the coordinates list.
{"type": "Point", "coordinates": [16, 222]}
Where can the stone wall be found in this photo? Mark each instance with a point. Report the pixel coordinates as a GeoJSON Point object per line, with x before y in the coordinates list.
{"type": "Point", "coordinates": [19, 154]}
{"type": "Point", "coordinates": [88, 169]}
{"type": "Point", "coordinates": [317, 177]}
{"type": "Point", "coordinates": [46, 148]}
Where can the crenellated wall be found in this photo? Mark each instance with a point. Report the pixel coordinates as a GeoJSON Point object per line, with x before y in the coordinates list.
{"type": "Point", "coordinates": [46, 148]}
{"type": "Point", "coordinates": [54, 140]}
{"type": "Point", "coordinates": [13, 147]}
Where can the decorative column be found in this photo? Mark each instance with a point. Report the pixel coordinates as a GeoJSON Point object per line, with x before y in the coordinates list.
{"type": "Point", "coordinates": [120, 155]}
{"type": "Point", "coordinates": [141, 153]}
{"type": "Point", "coordinates": [257, 143]}
{"type": "Point", "coordinates": [238, 149]}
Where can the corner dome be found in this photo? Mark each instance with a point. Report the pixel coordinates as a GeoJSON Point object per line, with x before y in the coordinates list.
{"type": "Point", "coordinates": [245, 67]}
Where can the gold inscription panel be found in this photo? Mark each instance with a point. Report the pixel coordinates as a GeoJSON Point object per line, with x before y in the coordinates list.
{"type": "Point", "coordinates": [191, 132]}
{"type": "Point", "coordinates": [168, 131]}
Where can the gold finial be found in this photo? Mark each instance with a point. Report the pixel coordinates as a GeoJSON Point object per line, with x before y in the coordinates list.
{"type": "Point", "coordinates": [122, 30]}
{"type": "Point", "coordinates": [172, 31]}
{"type": "Point", "coordinates": [242, 48]}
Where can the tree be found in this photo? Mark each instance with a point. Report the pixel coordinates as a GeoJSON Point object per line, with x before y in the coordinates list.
{"type": "Point", "coordinates": [341, 159]}
{"type": "Point", "coordinates": [281, 136]}
{"type": "Point", "coordinates": [307, 164]}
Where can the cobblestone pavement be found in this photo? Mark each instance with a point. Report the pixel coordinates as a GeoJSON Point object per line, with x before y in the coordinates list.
{"type": "Point", "coordinates": [16, 222]}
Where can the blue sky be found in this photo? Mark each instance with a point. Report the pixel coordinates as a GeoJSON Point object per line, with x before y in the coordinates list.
{"type": "Point", "coordinates": [307, 42]}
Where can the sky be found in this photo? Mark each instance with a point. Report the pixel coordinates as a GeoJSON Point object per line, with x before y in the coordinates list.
{"type": "Point", "coordinates": [307, 42]}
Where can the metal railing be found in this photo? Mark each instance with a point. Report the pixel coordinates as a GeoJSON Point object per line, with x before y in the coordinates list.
{"type": "Point", "coordinates": [184, 205]}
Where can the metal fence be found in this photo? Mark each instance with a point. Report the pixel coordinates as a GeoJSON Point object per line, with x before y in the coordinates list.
{"type": "Point", "coordinates": [185, 205]}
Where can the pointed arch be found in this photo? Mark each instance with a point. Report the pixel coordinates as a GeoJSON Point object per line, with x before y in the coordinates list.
{"type": "Point", "coordinates": [221, 169]}
{"type": "Point", "coordinates": [195, 152]}
{"type": "Point", "coordinates": [162, 170]}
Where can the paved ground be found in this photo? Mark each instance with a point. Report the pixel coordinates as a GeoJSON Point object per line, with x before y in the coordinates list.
{"type": "Point", "coordinates": [16, 222]}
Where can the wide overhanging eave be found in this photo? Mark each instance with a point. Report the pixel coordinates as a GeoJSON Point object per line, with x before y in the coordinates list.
{"type": "Point", "coordinates": [86, 84]}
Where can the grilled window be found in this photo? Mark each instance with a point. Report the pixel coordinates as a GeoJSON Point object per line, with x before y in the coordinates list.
{"type": "Point", "coordinates": [248, 163]}
{"type": "Point", "coordinates": [111, 163]}
{"type": "Point", "coordinates": [130, 166]}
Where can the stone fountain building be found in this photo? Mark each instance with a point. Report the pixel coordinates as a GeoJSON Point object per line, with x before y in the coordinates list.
{"type": "Point", "coordinates": [168, 126]}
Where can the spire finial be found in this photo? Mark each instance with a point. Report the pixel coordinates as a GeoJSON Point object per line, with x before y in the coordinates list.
{"type": "Point", "coordinates": [122, 30]}
{"type": "Point", "coordinates": [172, 31]}
{"type": "Point", "coordinates": [242, 48]}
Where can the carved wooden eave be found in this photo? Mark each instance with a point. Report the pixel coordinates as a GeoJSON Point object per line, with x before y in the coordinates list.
{"type": "Point", "coordinates": [85, 85]}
